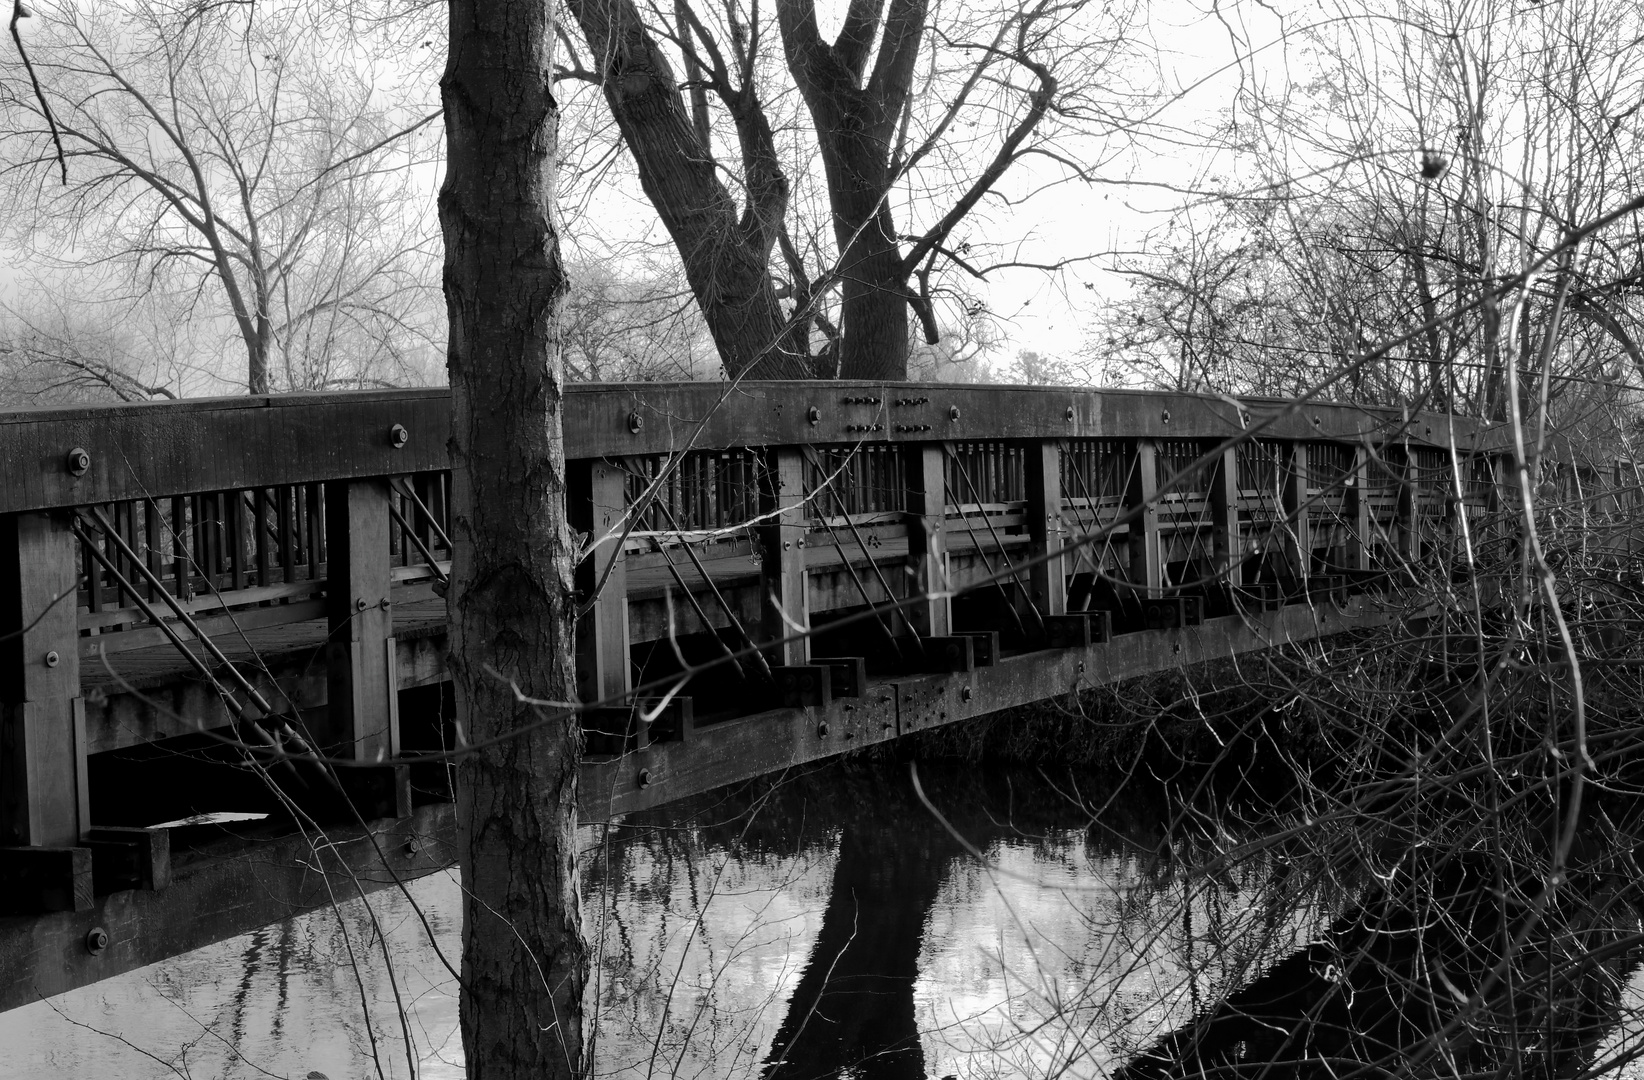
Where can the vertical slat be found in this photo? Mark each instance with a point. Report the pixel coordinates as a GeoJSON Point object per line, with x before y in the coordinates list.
{"type": "Point", "coordinates": [43, 796]}
{"type": "Point", "coordinates": [1043, 476]}
{"type": "Point", "coordinates": [1298, 537]}
{"type": "Point", "coordinates": [1226, 556]}
{"type": "Point", "coordinates": [1146, 567]}
{"type": "Point", "coordinates": [152, 533]}
{"type": "Point", "coordinates": [286, 499]}
{"type": "Point", "coordinates": [259, 529]}
{"type": "Point", "coordinates": [596, 501]}
{"type": "Point", "coordinates": [782, 585]}
{"type": "Point", "coordinates": [94, 578]}
{"type": "Point", "coordinates": [360, 668]}
{"type": "Point", "coordinates": [925, 470]}
{"type": "Point", "coordinates": [315, 503]}
{"type": "Point", "coordinates": [179, 547]}
{"type": "Point", "coordinates": [234, 512]}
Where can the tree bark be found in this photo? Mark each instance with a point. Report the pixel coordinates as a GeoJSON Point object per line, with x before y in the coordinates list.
{"type": "Point", "coordinates": [726, 251]}
{"type": "Point", "coordinates": [524, 960]}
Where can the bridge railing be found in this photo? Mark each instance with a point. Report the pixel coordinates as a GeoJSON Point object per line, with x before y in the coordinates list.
{"type": "Point", "coordinates": [716, 517]}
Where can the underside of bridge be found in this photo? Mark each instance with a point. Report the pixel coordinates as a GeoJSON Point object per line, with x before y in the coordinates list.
{"type": "Point", "coordinates": [776, 574]}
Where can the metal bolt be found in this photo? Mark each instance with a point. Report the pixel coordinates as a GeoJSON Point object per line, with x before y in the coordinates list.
{"type": "Point", "coordinates": [953, 413]}
{"type": "Point", "coordinates": [644, 778]}
{"type": "Point", "coordinates": [79, 461]}
{"type": "Point", "coordinates": [814, 416]}
{"type": "Point", "coordinates": [359, 605]}
{"type": "Point", "coordinates": [1069, 414]}
{"type": "Point", "coordinates": [96, 940]}
{"type": "Point", "coordinates": [398, 436]}
{"type": "Point", "coordinates": [1164, 417]}
{"type": "Point", "coordinates": [1317, 420]}
{"type": "Point", "coordinates": [412, 847]}
{"type": "Point", "coordinates": [52, 659]}
{"type": "Point", "coordinates": [822, 730]}
{"type": "Point", "coordinates": [965, 694]}
{"type": "Point", "coordinates": [636, 423]}
{"type": "Point", "coordinates": [801, 543]}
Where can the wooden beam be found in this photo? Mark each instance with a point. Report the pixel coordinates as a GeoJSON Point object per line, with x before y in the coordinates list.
{"type": "Point", "coordinates": [925, 468]}
{"type": "Point", "coordinates": [361, 672]}
{"type": "Point", "coordinates": [597, 503]}
{"type": "Point", "coordinates": [43, 796]}
{"type": "Point", "coordinates": [1047, 580]}
{"type": "Point", "coordinates": [784, 595]}
{"type": "Point", "coordinates": [143, 449]}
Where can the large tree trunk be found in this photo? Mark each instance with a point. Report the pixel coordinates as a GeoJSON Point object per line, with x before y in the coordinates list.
{"type": "Point", "coordinates": [855, 115]}
{"type": "Point", "coordinates": [726, 252]}
{"type": "Point", "coordinates": [524, 960]}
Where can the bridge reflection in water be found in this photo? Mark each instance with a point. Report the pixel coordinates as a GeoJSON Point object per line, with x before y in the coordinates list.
{"type": "Point", "coordinates": [1084, 943]}
{"type": "Point", "coordinates": [265, 573]}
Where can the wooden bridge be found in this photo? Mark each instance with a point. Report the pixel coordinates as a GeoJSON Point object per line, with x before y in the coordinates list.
{"type": "Point", "coordinates": [182, 581]}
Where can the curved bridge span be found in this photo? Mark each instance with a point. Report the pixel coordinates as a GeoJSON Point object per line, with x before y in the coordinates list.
{"type": "Point", "coordinates": [194, 594]}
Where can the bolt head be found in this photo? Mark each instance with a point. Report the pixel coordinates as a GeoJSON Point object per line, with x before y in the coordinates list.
{"type": "Point", "coordinates": [644, 778]}
{"type": "Point", "coordinates": [953, 413]}
{"type": "Point", "coordinates": [52, 659]}
{"type": "Point", "coordinates": [96, 940]}
{"type": "Point", "coordinates": [79, 461]}
{"type": "Point", "coordinates": [398, 436]}
{"type": "Point", "coordinates": [822, 730]}
{"type": "Point", "coordinates": [814, 415]}
{"type": "Point", "coordinates": [359, 605]}
{"type": "Point", "coordinates": [636, 423]}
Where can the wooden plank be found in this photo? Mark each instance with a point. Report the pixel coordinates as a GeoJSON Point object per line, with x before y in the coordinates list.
{"type": "Point", "coordinates": [363, 714]}
{"type": "Point", "coordinates": [783, 594]}
{"type": "Point", "coordinates": [596, 503]}
{"type": "Point", "coordinates": [208, 602]}
{"type": "Point", "coordinates": [229, 623]}
{"type": "Point", "coordinates": [42, 792]}
{"type": "Point", "coordinates": [925, 468]}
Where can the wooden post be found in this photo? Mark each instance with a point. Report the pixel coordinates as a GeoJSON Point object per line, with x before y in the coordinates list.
{"type": "Point", "coordinates": [1048, 580]}
{"type": "Point", "coordinates": [44, 799]}
{"type": "Point", "coordinates": [1228, 554]}
{"type": "Point", "coordinates": [1146, 566]}
{"type": "Point", "coordinates": [1409, 540]}
{"type": "Point", "coordinates": [597, 502]}
{"type": "Point", "coordinates": [782, 586]}
{"type": "Point", "coordinates": [925, 467]}
{"type": "Point", "coordinates": [361, 675]}
{"type": "Point", "coordinates": [1299, 534]}
{"type": "Point", "coordinates": [1358, 505]}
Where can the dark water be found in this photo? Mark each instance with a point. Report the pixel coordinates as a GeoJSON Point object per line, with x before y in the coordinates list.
{"type": "Point", "coordinates": [828, 925]}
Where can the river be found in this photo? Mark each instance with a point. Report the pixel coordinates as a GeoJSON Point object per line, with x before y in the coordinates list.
{"type": "Point", "coordinates": [824, 925]}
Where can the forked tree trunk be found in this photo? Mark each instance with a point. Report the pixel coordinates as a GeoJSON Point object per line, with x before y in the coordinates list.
{"type": "Point", "coordinates": [523, 959]}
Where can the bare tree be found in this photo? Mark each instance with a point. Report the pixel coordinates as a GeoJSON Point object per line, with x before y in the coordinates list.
{"type": "Point", "coordinates": [223, 153]}
{"type": "Point", "coordinates": [913, 112]}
